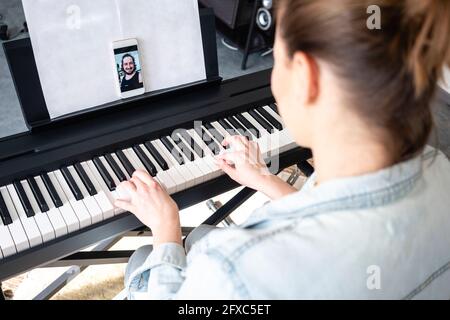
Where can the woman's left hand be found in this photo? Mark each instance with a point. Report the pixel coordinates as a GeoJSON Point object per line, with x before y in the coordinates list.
{"type": "Point", "coordinates": [153, 206]}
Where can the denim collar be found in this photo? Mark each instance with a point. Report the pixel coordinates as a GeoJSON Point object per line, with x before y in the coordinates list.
{"type": "Point", "coordinates": [351, 193]}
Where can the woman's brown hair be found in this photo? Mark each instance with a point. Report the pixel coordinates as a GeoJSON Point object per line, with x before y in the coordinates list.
{"type": "Point", "coordinates": [390, 73]}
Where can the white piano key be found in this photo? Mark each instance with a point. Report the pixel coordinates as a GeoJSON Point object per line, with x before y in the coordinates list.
{"type": "Point", "coordinates": [110, 170]}
{"type": "Point", "coordinates": [44, 224]}
{"type": "Point", "coordinates": [175, 169]}
{"type": "Point", "coordinates": [274, 114]}
{"type": "Point", "coordinates": [29, 224]}
{"type": "Point", "coordinates": [112, 195]}
{"type": "Point", "coordinates": [15, 228]}
{"type": "Point", "coordinates": [162, 175]}
{"type": "Point", "coordinates": [199, 162]}
{"type": "Point", "coordinates": [67, 212]}
{"type": "Point", "coordinates": [78, 206]}
{"type": "Point", "coordinates": [208, 156]}
{"type": "Point", "coordinates": [101, 197]}
{"type": "Point", "coordinates": [91, 204]}
{"type": "Point", "coordinates": [220, 129]}
{"type": "Point", "coordinates": [54, 215]}
{"type": "Point", "coordinates": [6, 241]}
{"type": "Point", "coordinates": [119, 163]}
{"type": "Point", "coordinates": [264, 141]}
{"type": "Point", "coordinates": [195, 172]}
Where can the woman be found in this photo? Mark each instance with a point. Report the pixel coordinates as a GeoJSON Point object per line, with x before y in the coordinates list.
{"type": "Point", "coordinates": [374, 219]}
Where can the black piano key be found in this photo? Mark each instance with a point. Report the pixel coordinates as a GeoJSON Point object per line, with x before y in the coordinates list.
{"type": "Point", "coordinates": [24, 199]}
{"type": "Point", "coordinates": [194, 145]}
{"type": "Point", "coordinates": [172, 150]}
{"type": "Point", "coordinates": [72, 184]}
{"type": "Point", "coordinates": [273, 107]}
{"type": "Point", "coordinates": [115, 167]}
{"type": "Point", "coordinates": [240, 129]}
{"type": "Point", "coordinates": [224, 123]}
{"type": "Point", "coordinates": [250, 127]}
{"type": "Point", "coordinates": [104, 173]}
{"type": "Point", "coordinates": [185, 149]}
{"type": "Point", "coordinates": [214, 132]}
{"type": "Point", "coordinates": [274, 122]}
{"type": "Point", "coordinates": [260, 120]}
{"type": "Point", "coordinates": [51, 190]}
{"type": "Point", "coordinates": [126, 163]}
{"type": "Point", "coordinates": [4, 213]}
{"type": "Point", "coordinates": [145, 161]}
{"type": "Point", "coordinates": [208, 140]}
{"type": "Point", "coordinates": [38, 195]}
{"type": "Point", "coordinates": [85, 179]}
{"type": "Point", "coordinates": [155, 154]}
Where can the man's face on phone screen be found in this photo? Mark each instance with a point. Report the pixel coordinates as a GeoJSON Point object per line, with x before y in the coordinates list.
{"type": "Point", "coordinates": [128, 65]}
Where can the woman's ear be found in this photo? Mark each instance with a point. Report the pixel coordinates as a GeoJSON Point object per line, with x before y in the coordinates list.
{"type": "Point", "coordinates": [306, 72]}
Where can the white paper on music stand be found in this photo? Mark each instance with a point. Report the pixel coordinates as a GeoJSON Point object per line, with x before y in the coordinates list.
{"type": "Point", "coordinates": [72, 44]}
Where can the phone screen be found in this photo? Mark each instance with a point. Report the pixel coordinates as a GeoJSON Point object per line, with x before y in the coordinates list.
{"type": "Point", "coordinates": [129, 70]}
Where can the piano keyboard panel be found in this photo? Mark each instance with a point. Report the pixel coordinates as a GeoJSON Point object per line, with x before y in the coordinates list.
{"type": "Point", "coordinates": [41, 208]}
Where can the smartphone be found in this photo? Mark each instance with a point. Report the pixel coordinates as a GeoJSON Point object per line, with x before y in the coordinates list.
{"type": "Point", "coordinates": [130, 78]}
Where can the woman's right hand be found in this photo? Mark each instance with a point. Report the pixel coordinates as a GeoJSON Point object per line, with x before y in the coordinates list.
{"type": "Point", "coordinates": [243, 162]}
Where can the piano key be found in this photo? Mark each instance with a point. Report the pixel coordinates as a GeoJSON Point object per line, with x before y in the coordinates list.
{"type": "Point", "coordinates": [104, 202]}
{"type": "Point", "coordinates": [29, 224]}
{"type": "Point", "coordinates": [196, 173]}
{"type": "Point", "coordinates": [274, 114]}
{"type": "Point", "coordinates": [274, 122]}
{"type": "Point", "coordinates": [261, 130]}
{"type": "Point", "coordinates": [90, 202]}
{"type": "Point", "coordinates": [261, 121]}
{"type": "Point", "coordinates": [38, 195]}
{"type": "Point", "coordinates": [149, 166]}
{"type": "Point", "coordinates": [67, 212]}
{"type": "Point", "coordinates": [250, 127]}
{"type": "Point", "coordinates": [110, 171]}
{"type": "Point", "coordinates": [23, 199]}
{"type": "Point", "coordinates": [53, 213]}
{"type": "Point", "coordinates": [115, 167]}
{"type": "Point", "coordinates": [137, 163]}
{"type": "Point", "coordinates": [41, 218]}
{"type": "Point", "coordinates": [181, 168]}
{"type": "Point", "coordinates": [72, 184]}
{"type": "Point", "coordinates": [207, 140]}
{"type": "Point", "coordinates": [183, 148]}
{"type": "Point", "coordinates": [156, 155]}
{"type": "Point", "coordinates": [177, 172]}
{"type": "Point", "coordinates": [51, 190]}
{"type": "Point", "coordinates": [202, 165]}
{"type": "Point", "coordinates": [172, 150]}
{"type": "Point", "coordinates": [264, 141]}
{"type": "Point", "coordinates": [227, 126]}
{"type": "Point", "coordinates": [15, 227]}
{"type": "Point", "coordinates": [4, 213]}
{"type": "Point", "coordinates": [7, 244]}
{"type": "Point", "coordinates": [104, 174]}
{"type": "Point", "coordinates": [213, 132]}
{"type": "Point", "coordinates": [85, 179]}
{"type": "Point", "coordinates": [208, 157]}
{"type": "Point", "coordinates": [112, 195]}
{"type": "Point", "coordinates": [191, 142]}
{"type": "Point", "coordinates": [125, 162]}
{"type": "Point", "coordinates": [164, 176]}
{"type": "Point", "coordinates": [239, 128]}
{"type": "Point", "coordinates": [77, 205]}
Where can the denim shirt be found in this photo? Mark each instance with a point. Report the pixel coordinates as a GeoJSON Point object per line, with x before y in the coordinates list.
{"type": "Point", "coordinates": [384, 235]}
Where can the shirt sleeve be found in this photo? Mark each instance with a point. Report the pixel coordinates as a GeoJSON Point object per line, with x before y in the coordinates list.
{"type": "Point", "coordinates": [168, 277]}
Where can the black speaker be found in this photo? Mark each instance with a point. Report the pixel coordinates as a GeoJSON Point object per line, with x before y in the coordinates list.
{"type": "Point", "coordinates": [264, 16]}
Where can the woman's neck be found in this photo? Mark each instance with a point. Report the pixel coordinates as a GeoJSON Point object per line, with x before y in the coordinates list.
{"type": "Point", "coordinates": [353, 156]}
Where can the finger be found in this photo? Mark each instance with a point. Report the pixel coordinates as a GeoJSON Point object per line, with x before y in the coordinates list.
{"type": "Point", "coordinates": [233, 157]}
{"type": "Point", "coordinates": [234, 141]}
{"type": "Point", "coordinates": [228, 169]}
{"type": "Point", "coordinates": [145, 178]}
{"type": "Point", "coordinates": [140, 185]}
{"type": "Point", "coordinates": [128, 186]}
{"type": "Point", "coordinates": [125, 205]}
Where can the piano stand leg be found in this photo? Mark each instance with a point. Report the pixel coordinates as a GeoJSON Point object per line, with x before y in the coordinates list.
{"type": "Point", "coordinates": [305, 168]}
{"type": "Point", "coordinates": [2, 296]}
